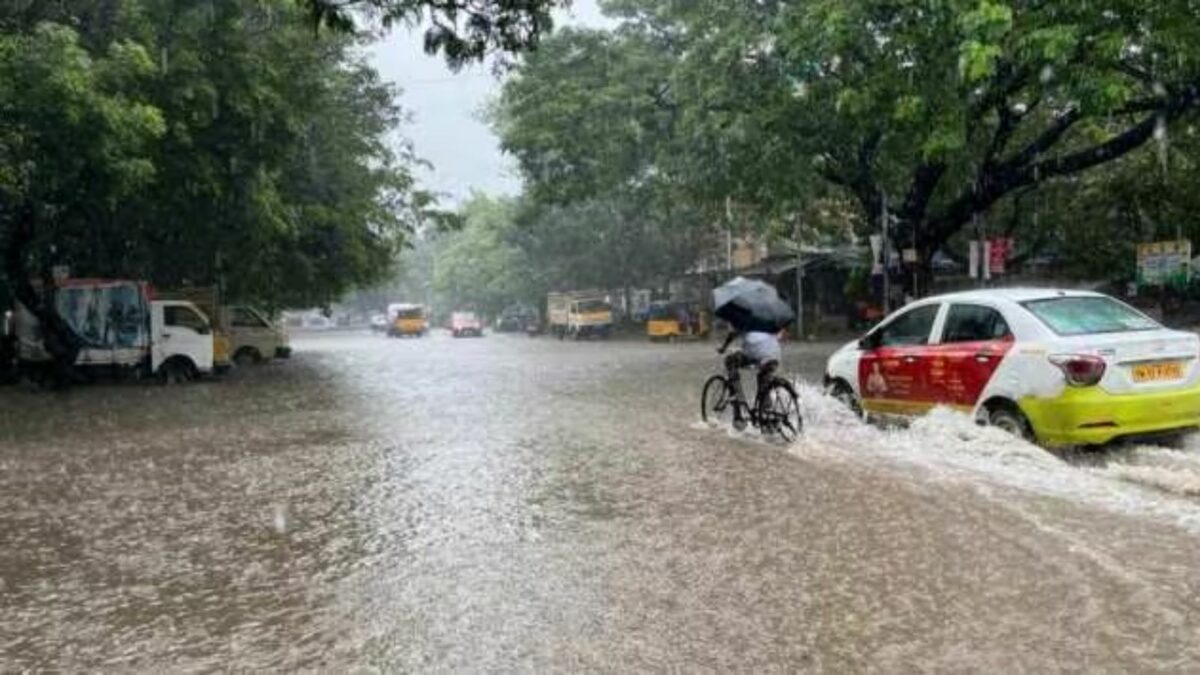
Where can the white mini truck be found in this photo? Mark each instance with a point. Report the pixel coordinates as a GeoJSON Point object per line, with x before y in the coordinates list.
{"type": "Point", "coordinates": [124, 330]}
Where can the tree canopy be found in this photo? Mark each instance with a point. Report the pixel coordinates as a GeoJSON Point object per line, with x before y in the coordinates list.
{"type": "Point", "coordinates": [946, 112]}
{"type": "Point", "coordinates": [217, 142]}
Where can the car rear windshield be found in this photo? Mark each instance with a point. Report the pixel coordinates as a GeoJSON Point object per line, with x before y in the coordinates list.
{"type": "Point", "coordinates": [1089, 316]}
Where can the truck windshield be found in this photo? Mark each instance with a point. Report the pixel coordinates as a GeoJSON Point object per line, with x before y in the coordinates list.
{"type": "Point", "coordinates": [410, 314]}
{"type": "Point", "coordinates": [1089, 315]}
{"type": "Point", "coordinates": [586, 306]}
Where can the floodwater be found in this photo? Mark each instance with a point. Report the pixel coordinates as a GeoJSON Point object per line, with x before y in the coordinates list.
{"type": "Point", "coordinates": [527, 504]}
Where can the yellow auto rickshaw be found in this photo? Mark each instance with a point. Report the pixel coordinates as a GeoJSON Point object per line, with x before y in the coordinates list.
{"type": "Point", "coordinates": [670, 321]}
{"type": "Point", "coordinates": [407, 321]}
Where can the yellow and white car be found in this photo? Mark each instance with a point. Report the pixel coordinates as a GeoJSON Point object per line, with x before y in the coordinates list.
{"type": "Point", "coordinates": [1064, 368]}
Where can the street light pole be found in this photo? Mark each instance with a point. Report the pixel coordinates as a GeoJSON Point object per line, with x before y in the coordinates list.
{"type": "Point", "coordinates": [887, 289]}
{"type": "Point", "coordinates": [799, 285]}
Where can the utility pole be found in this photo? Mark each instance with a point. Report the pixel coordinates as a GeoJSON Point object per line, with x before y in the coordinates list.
{"type": "Point", "coordinates": [887, 285]}
{"type": "Point", "coordinates": [728, 235]}
{"type": "Point", "coordinates": [916, 285]}
{"type": "Point", "coordinates": [799, 285]}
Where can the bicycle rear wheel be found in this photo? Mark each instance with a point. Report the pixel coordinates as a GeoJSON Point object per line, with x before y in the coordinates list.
{"type": "Point", "coordinates": [717, 401]}
{"type": "Point", "coordinates": [779, 411]}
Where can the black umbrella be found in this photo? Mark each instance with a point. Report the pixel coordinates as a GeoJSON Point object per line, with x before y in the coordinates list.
{"type": "Point", "coordinates": [750, 305]}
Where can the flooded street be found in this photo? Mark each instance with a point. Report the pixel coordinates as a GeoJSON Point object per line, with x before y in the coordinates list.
{"type": "Point", "coordinates": [516, 504]}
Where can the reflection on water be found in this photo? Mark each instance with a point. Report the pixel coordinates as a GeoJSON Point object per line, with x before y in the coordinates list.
{"type": "Point", "coordinates": [510, 503]}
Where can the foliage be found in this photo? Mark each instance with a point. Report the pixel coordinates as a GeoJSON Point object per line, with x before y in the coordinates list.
{"type": "Point", "coordinates": [214, 142]}
{"type": "Point", "coordinates": [460, 31]}
{"type": "Point", "coordinates": [942, 110]}
{"type": "Point", "coordinates": [480, 267]}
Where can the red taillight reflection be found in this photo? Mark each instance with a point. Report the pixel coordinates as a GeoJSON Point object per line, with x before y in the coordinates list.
{"type": "Point", "coordinates": [1081, 370]}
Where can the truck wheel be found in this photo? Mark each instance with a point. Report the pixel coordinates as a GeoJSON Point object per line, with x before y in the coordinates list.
{"type": "Point", "coordinates": [175, 371]}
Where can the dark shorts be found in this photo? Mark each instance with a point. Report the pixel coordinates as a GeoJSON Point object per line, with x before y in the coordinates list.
{"type": "Point", "coordinates": [737, 360]}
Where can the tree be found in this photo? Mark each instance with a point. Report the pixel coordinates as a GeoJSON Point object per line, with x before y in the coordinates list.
{"type": "Point", "coordinates": [479, 267]}
{"type": "Point", "coordinates": [948, 108]}
{"type": "Point", "coordinates": [213, 142]}
{"type": "Point", "coordinates": [590, 119]}
{"type": "Point", "coordinates": [459, 30]}
{"type": "Point", "coordinates": [72, 145]}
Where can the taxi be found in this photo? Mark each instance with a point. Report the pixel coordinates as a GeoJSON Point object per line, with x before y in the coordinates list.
{"type": "Point", "coordinates": [1062, 368]}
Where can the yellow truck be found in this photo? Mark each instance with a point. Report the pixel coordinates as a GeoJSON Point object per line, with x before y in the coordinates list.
{"type": "Point", "coordinates": [406, 320]}
{"type": "Point", "coordinates": [579, 315]}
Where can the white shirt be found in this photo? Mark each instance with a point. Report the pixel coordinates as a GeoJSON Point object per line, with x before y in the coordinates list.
{"type": "Point", "coordinates": [762, 347]}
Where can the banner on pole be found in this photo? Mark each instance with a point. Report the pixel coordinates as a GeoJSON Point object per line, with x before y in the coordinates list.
{"type": "Point", "coordinates": [974, 264]}
{"type": "Point", "coordinates": [1164, 262]}
{"type": "Point", "coordinates": [1001, 249]}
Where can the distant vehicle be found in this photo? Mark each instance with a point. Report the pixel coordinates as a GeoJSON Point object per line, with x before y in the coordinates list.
{"type": "Point", "coordinates": [516, 318]}
{"type": "Point", "coordinates": [316, 322]}
{"type": "Point", "coordinates": [579, 315]}
{"type": "Point", "coordinates": [672, 321]}
{"type": "Point", "coordinates": [123, 329]}
{"type": "Point", "coordinates": [465, 324]}
{"type": "Point", "coordinates": [407, 320]}
{"type": "Point", "coordinates": [1062, 368]}
{"type": "Point", "coordinates": [379, 323]}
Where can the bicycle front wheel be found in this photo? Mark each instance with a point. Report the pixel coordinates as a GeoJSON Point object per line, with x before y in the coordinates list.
{"type": "Point", "coordinates": [717, 401]}
{"type": "Point", "coordinates": [779, 411]}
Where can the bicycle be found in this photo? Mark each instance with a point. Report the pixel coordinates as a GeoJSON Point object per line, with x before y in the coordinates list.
{"type": "Point", "coordinates": [776, 410]}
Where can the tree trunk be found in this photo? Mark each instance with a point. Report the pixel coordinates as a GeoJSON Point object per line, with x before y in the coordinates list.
{"type": "Point", "coordinates": [60, 341]}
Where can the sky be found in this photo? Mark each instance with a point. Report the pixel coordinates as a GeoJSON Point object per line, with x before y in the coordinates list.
{"type": "Point", "coordinates": [445, 106]}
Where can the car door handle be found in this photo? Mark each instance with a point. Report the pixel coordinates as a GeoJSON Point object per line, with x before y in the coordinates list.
{"type": "Point", "coordinates": [910, 359]}
{"type": "Point", "coordinates": [984, 357]}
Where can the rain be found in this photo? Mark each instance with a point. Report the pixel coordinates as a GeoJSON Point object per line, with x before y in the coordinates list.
{"type": "Point", "coordinates": [599, 336]}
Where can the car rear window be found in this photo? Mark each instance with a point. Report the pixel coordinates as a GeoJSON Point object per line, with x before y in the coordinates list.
{"type": "Point", "coordinates": [1089, 316]}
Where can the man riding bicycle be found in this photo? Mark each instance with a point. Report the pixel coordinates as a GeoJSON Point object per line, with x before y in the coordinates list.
{"type": "Point", "coordinates": [758, 349]}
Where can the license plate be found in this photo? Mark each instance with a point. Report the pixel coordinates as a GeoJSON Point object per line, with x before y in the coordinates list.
{"type": "Point", "coordinates": [1158, 372]}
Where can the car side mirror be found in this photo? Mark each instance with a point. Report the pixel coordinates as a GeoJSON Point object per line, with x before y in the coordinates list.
{"type": "Point", "coordinates": [868, 343]}
{"type": "Point", "coordinates": [204, 330]}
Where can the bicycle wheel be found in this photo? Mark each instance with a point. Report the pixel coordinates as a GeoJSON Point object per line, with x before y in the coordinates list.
{"type": "Point", "coordinates": [779, 411]}
{"type": "Point", "coordinates": [717, 401]}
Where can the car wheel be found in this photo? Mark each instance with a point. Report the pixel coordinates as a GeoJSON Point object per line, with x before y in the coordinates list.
{"type": "Point", "coordinates": [841, 392]}
{"type": "Point", "coordinates": [246, 356]}
{"type": "Point", "coordinates": [1008, 418]}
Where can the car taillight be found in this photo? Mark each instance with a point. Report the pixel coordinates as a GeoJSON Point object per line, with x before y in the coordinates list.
{"type": "Point", "coordinates": [1081, 370]}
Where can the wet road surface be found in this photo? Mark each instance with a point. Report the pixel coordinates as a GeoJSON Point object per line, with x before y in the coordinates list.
{"type": "Point", "coordinates": [517, 504]}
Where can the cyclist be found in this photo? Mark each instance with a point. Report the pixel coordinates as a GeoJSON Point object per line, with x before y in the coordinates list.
{"type": "Point", "coordinates": [758, 349]}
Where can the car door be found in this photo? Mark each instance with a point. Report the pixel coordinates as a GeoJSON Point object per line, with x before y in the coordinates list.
{"type": "Point", "coordinates": [892, 371]}
{"type": "Point", "coordinates": [974, 340]}
{"type": "Point", "coordinates": [183, 331]}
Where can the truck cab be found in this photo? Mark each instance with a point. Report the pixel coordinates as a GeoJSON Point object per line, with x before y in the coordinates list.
{"type": "Point", "coordinates": [181, 340]}
{"type": "Point", "coordinates": [590, 317]}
